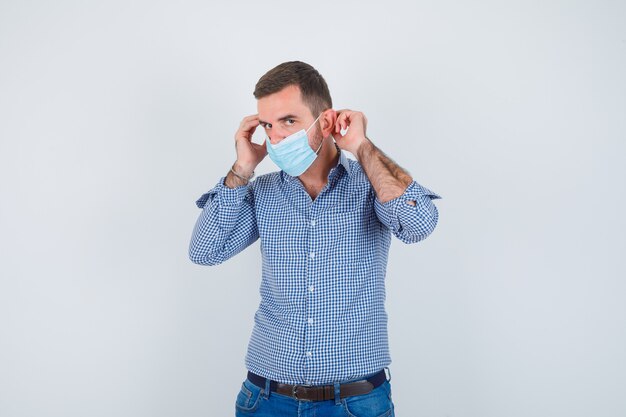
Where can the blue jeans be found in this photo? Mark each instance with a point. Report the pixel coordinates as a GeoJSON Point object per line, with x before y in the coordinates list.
{"type": "Point", "coordinates": [256, 401]}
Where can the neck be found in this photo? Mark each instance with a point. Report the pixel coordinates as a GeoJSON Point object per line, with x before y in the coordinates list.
{"type": "Point", "coordinates": [326, 159]}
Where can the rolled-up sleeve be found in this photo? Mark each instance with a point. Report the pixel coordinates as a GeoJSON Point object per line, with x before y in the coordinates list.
{"type": "Point", "coordinates": [226, 225]}
{"type": "Point", "coordinates": [410, 223]}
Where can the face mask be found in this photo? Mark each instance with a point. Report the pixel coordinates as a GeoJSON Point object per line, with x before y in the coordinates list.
{"type": "Point", "coordinates": [293, 154]}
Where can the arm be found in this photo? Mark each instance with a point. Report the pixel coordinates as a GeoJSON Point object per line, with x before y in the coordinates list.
{"type": "Point", "coordinates": [227, 224]}
{"type": "Point", "coordinates": [401, 203]}
{"type": "Point", "coordinates": [225, 227]}
{"type": "Point", "coordinates": [388, 178]}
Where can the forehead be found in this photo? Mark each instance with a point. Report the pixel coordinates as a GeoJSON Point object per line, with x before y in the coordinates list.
{"type": "Point", "coordinates": [286, 101]}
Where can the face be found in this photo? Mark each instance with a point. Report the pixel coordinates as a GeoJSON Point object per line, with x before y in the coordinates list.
{"type": "Point", "coordinates": [283, 113]}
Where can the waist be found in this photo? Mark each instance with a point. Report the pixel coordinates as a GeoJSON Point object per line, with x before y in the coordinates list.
{"type": "Point", "coordinates": [321, 392]}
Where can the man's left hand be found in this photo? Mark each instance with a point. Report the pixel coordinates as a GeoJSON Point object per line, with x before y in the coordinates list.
{"type": "Point", "coordinates": [356, 123]}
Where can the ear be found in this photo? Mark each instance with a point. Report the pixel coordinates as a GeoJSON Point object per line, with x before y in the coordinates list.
{"type": "Point", "coordinates": [327, 122]}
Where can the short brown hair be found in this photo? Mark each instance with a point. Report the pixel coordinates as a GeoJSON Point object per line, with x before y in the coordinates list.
{"type": "Point", "coordinates": [313, 87]}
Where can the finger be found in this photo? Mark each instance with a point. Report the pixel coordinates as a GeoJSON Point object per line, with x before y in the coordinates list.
{"type": "Point", "coordinates": [356, 117]}
{"type": "Point", "coordinates": [249, 120]}
{"type": "Point", "coordinates": [344, 119]}
{"type": "Point", "coordinates": [341, 125]}
{"type": "Point", "coordinates": [345, 122]}
{"type": "Point", "coordinates": [248, 129]}
{"type": "Point", "coordinates": [250, 117]}
{"type": "Point", "coordinates": [259, 147]}
{"type": "Point", "coordinates": [338, 123]}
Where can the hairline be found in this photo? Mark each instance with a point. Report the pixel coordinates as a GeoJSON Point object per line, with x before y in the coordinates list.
{"type": "Point", "coordinates": [302, 99]}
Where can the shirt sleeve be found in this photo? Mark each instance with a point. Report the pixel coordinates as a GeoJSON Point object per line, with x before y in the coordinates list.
{"type": "Point", "coordinates": [226, 225]}
{"type": "Point", "coordinates": [410, 223]}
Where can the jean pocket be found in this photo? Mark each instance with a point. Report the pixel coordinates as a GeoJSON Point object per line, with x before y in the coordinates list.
{"type": "Point", "coordinates": [248, 398]}
{"type": "Point", "coordinates": [377, 403]}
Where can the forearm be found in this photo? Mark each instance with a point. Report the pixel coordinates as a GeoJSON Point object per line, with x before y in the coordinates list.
{"type": "Point", "coordinates": [388, 179]}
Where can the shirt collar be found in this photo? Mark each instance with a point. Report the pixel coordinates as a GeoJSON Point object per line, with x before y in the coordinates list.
{"type": "Point", "coordinates": [343, 160]}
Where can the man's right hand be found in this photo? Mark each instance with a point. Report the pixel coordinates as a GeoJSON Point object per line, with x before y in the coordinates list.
{"type": "Point", "coordinates": [249, 154]}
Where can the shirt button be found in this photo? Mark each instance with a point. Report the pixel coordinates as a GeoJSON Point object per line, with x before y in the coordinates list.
{"type": "Point", "coordinates": [312, 222]}
{"type": "Point", "coordinates": [312, 255]}
{"type": "Point", "coordinates": [311, 321]}
{"type": "Point", "coordinates": [309, 354]}
{"type": "Point", "coordinates": [311, 288]}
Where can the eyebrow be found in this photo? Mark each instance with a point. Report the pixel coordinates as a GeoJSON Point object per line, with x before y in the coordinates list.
{"type": "Point", "coordinates": [282, 119]}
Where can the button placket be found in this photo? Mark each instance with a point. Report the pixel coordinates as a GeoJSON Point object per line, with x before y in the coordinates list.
{"type": "Point", "coordinates": [310, 277]}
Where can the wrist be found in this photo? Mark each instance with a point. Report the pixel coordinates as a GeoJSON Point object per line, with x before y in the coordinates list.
{"type": "Point", "coordinates": [236, 179]}
{"type": "Point", "coordinates": [243, 169]}
{"type": "Point", "coordinates": [365, 148]}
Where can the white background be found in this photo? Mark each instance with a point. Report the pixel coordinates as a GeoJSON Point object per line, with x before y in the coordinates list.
{"type": "Point", "coordinates": [115, 116]}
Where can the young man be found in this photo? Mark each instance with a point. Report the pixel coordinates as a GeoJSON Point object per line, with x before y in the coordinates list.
{"type": "Point", "coordinates": [319, 344]}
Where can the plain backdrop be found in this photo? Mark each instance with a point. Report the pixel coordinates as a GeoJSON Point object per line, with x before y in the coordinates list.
{"type": "Point", "coordinates": [116, 116]}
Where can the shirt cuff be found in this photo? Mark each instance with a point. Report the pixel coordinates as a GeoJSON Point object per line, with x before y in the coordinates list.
{"type": "Point", "coordinates": [226, 196]}
{"type": "Point", "coordinates": [390, 211]}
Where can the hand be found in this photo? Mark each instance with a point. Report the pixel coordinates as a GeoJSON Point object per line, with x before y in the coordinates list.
{"type": "Point", "coordinates": [249, 154]}
{"type": "Point", "coordinates": [356, 123]}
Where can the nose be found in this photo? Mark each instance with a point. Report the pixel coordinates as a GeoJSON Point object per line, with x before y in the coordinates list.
{"type": "Point", "coordinates": [274, 140]}
{"type": "Point", "coordinates": [277, 136]}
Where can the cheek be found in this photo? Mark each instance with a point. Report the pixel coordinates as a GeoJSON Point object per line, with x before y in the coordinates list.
{"type": "Point", "coordinates": [316, 140]}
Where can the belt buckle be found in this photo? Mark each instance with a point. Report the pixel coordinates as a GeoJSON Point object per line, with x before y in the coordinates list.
{"type": "Point", "coordinates": [294, 392]}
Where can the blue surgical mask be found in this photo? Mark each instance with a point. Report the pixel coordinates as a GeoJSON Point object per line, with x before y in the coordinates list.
{"type": "Point", "coordinates": [293, 154]}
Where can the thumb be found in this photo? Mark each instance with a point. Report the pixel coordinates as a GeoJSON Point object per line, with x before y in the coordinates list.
{"type": "Point", "coordinates": [337, 136]}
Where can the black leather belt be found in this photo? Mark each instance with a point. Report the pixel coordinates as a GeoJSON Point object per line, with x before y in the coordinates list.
{"type": "Point", "coordinates": [321, 392]}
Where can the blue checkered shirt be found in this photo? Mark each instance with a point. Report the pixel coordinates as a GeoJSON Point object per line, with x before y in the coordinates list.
{"type": "Point", "coordinates": [322, 317]}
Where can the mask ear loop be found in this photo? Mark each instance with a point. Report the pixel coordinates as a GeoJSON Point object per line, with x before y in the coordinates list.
{"type": "Point", "coordinates": [313, 124]}
{"type": "Point", "coordinates": [307, 131]}
{"type": "Point", "coordinates": [320, 147]}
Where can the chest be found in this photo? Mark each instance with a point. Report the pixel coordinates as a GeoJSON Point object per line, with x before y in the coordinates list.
{"type": "Point", "coordinates": [289, 219]}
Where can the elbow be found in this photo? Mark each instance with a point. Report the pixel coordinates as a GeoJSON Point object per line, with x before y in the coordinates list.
{"type": "Point", "coordinates": [204, 256]}
{"type": "Point", "coordinates": [421, 228]}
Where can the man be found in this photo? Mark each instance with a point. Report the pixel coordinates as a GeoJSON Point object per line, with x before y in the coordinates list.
{"type": "Point", "coordinates": [319, 344]}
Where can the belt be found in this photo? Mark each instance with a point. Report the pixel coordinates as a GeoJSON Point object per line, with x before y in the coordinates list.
{"type": "Point", "coordinates": [321, 392]}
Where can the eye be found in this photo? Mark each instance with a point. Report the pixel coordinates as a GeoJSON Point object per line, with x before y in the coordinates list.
{"type": "Point", "coordinates": [266, 125]}
{"type": "Point", "coordinates": [290, 122]}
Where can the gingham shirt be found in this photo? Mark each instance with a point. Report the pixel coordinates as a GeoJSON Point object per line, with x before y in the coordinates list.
{"type": "Point", "coordinates": [322, 317]}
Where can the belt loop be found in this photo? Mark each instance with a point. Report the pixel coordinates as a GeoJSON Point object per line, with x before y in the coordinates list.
{"type": "Point", "coordinates": [337, 393]}
{"type": "Point", "coordinates": [266, 393]}
{"type": "Point", "coordinates": [388, 373]}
